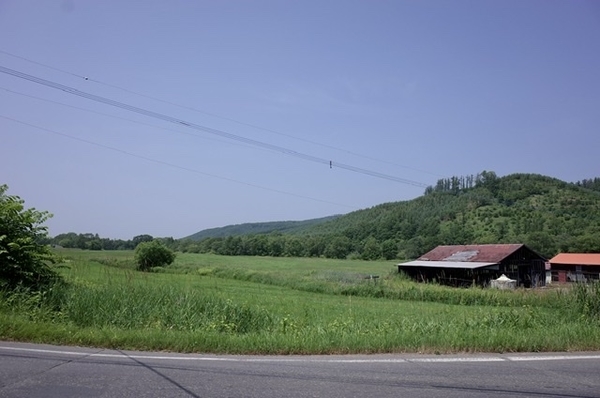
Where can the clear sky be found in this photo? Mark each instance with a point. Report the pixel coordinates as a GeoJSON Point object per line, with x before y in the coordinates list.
{"type": "Point", "coordinates": [252, 99]}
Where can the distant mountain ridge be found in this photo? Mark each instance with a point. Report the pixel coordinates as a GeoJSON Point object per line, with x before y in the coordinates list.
{"type": "Point", "coordinates": [546, 214]}
{"type": "Point", "coordinates": [260, 228]}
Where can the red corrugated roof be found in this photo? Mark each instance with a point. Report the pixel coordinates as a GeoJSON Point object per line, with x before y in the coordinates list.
{"type": "Point", "coordinates": [576, 259]}
{"type": "Point", "coordinates": [471, 253]}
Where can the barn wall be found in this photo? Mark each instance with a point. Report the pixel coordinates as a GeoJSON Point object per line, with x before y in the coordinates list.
{"type": "Point", "coordinates": [524, 265]}
{"type": "Point", "coordinates": [563, 273]}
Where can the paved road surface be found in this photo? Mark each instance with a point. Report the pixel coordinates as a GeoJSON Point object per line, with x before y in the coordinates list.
{"type": "Point", "coordinates": [28, 370]}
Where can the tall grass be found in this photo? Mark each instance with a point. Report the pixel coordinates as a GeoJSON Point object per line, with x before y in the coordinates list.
{"type": "Point", "coordinates": [143, 306]}
{"type": "Point", "coordinates": [586, 298]}
{"type": "Point", "coordinates": [392, 286]}
{"type": "Point", "coordinates": [328, 307]}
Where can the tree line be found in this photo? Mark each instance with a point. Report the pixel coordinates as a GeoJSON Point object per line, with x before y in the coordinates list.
{"type": "Point", "coordinates": [590, 183]}
{"type": "Point", "coordinates": [456, 184]}
{"type": "Point", "coordinates": [89, 241]}
{"type": "Point", "coordinates": [274, 245]}
{"type": "Point", "coordinates": [547, 214]}
{"type": "Point", "coordinates": [279, 245]}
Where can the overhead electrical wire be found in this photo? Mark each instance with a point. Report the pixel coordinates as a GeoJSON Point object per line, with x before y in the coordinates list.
{"type": "Point", "coordinates": [87, 78]}
{"type": "Point", "coordinates": [161, 162]}
{"type": "Point", "coordinates": [191, 125]}
{"type": "Point", "coordinates": [118, 117]}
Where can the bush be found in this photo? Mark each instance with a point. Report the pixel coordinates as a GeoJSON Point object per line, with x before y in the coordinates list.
{"type": "Point", "coordinates": [24, 259]}
{"type": "Point", "coordinates": [153, 254]}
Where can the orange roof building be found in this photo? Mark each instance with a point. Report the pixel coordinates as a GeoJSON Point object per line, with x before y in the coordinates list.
{"type": "Point", "coordinates": [575, 267]}
{"type": "Point", "coordinates": [589, 259]}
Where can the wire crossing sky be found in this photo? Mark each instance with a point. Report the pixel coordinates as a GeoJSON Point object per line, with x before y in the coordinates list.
{"type": "Point", "coordinates": [217, 116]}
{"type": "Point", "coordinates": [168, 164]}
{"type": "Point", "coordinates": [403, 91]}
{"type": "Point", "coordinates": [194, 126]}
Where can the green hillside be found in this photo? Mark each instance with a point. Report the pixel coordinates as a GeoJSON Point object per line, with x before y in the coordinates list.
{"type": "Point", "coordinates": [544, 213]}
{"type": "Point", "coordinates": [259, 228]}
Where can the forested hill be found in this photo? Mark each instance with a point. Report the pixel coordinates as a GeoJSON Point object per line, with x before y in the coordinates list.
{"type": "Point", "coordinates": [547, 214]}
{"type": "Point", "coordinates": [544, 213]}
{"type": "Point", "coordinates": [260, 228]}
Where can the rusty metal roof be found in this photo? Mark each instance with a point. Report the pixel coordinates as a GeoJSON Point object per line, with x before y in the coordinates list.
{"type": "Point", "coordinates": [446, 264]}
{"type": "Point", "coordinates": [471, 253]}
{"type": "Point", "coordinates": [576, 259]}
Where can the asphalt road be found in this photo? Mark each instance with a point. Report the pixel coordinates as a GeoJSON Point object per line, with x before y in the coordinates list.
{"type": "Point", "coordinates": [29, 370]}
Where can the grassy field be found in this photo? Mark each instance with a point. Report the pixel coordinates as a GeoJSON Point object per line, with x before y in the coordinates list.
{"type": "Point", "coordinates": [251, 305]}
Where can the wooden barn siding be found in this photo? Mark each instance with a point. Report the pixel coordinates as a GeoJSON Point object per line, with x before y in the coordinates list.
{"type": "Point", "coordinates": [524, 265]}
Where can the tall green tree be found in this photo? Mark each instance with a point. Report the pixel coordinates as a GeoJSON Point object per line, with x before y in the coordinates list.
{"type": "Point", "coordinates": [339, 247]}
{"type": "Point", "coordinates": [24, 260]}
{"type": "Point", "coordinates": [371, 249]}
{"type": "Point", "coordinates": [389, 249]}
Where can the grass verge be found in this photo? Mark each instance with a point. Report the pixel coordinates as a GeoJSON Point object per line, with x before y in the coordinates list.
{"type": "Point", "coordinates": [290, 306]}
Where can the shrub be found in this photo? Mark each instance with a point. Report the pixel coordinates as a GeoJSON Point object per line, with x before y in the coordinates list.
{"type": "Point", "coordinates": [23, 257]}
{"type": "Point", "coordinates": [153, 254]}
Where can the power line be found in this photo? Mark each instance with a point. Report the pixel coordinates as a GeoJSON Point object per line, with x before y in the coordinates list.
{"type": "Point", "coordinates": [163, 163]}
{"type": "Point", "coordinates": [116, 117]}
{"type": "Point", "coordinates": [86, 78]}
{"type": "Point", "coordinates": [180, 122]}
{"type": "Point", "coordinates": [44, 65]}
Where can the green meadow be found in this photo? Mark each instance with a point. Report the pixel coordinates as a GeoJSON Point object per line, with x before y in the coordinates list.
{"type": "Point", "coordinates": [258, 305]}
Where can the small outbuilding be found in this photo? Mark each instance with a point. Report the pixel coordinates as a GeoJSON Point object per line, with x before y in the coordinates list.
{"type": "Point", "coordinates": [504, 283]}
{"type": "Point", "coordinates": [575, 267]}
{"type": "Point", "coordinates": [463, 265]}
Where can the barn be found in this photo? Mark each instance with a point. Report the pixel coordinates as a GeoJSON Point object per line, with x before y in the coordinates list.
{"type": "Point", "coordinates": [575, 267]}
{"type": "Point", "coordinates": [465, 265]}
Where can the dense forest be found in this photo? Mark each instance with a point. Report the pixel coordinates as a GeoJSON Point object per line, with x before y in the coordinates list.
{"type": "Point", "coordinates": [592, 183]}
{"type": "Point", "coordinates": [259, 228]}
{"type": "Point", "coordinates": [547, 214]}
{"type": "Point", "coordinates": [544, 213]}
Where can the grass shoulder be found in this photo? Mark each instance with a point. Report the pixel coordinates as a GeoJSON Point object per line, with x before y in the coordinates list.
{"type": "Point", "coordinates": [250, 305]}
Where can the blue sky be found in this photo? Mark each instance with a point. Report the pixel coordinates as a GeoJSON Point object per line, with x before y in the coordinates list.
{"type": "Point", "coordinates": [415, 90]}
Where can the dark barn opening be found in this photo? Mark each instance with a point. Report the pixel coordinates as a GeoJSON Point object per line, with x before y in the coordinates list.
{"type": "Point", "coordinates": [465, 265]}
